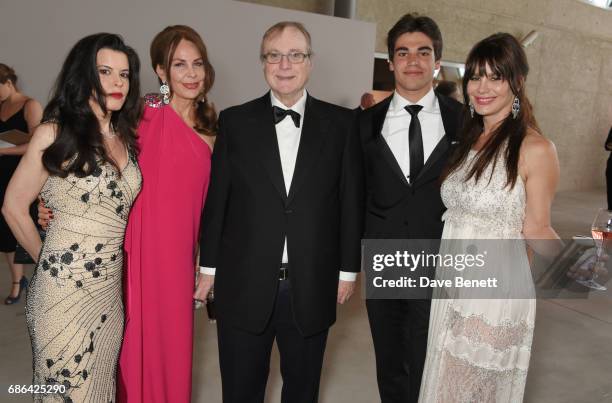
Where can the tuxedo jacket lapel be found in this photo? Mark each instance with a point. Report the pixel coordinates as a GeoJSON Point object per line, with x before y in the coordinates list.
{"type": "Point", "coordinates": [378, 120]}
{"type": "Point", "coordinates": [449, 118]}
{"type": "Point", "coordinates": [263, 123]}
{"type": "Point", "coordinates": [440, 149]}
{"type": "Point", "coordinates": [315, 126]}
{"type": "Point", "coordinates": [449, 121]}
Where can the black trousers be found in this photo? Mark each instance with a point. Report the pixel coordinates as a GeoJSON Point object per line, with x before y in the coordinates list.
{"type": "Point", "coordinates": [399, 331]}
{"type": "Point", "coordinates": [244, 357]}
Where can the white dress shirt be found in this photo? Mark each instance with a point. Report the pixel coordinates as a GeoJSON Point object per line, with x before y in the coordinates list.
{"type": "Point", "coordinates": [397, 123]}
{"type": "Point", "coordinates": [288, 137]}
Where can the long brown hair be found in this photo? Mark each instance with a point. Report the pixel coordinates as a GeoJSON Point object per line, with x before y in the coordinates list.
{"type": "Point", "coordinates": [162, 52]}
{"type": "Point", "coordinates": [507, 60]}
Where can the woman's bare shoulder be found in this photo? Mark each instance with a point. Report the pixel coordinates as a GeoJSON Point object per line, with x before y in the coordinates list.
{"type": "Point", "coordinates": [535, 145]}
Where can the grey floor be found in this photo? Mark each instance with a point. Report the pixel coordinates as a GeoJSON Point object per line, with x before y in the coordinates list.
{"type": "Point", "coordinates": [571, 360]}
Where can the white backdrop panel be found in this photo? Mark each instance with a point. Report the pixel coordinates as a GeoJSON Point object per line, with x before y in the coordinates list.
{"type": "Point", "coordinates": [35, 37]}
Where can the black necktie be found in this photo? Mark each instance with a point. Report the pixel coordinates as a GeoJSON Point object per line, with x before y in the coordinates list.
{"type": "Point", "coordinates": [280, 113]}
{"type": "Point", "coordinates": [415, 142]}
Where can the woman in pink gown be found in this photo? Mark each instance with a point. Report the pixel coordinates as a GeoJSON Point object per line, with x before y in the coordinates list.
{"type": "Point", "coordinates": [176, 135]}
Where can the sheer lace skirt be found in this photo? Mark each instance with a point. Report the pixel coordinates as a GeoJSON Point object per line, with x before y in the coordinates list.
{"type": "Point", "coordinates": [478, 349]}
{"type": "Point", "coordinates": [473, 359]}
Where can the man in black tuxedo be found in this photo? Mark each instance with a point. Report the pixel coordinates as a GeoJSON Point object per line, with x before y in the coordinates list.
{"type": "Point", "coordinates": [282, 225]}
{"type": "Point", "coordinates": [406, 141]}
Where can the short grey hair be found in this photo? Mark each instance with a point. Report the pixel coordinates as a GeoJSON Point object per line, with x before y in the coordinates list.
{"type": "Point", "coordinates": [278, 28]}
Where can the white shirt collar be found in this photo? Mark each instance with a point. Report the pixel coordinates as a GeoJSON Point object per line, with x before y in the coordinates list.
{"type": "Point", "coordinates": [429, 102]}
{"type": "Point", "coordinates": [299, 106]}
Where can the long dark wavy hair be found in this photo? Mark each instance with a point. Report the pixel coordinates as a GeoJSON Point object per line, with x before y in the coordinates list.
{"type": "Point", "coordinates": [78, 147]}
{"type": "Point", "coordinates": [162, 51]}
{"type": "Point", "coordinates": [505, 57]}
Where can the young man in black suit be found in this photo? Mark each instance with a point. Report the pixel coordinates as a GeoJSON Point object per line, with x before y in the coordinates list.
{"type": "Point", "coordinates": [282, 225]}
{"type": "Point", "coordinates": [406, 141]}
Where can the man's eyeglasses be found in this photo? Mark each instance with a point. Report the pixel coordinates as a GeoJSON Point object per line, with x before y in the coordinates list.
{"type": "Point", "coordinates": [293, 57]}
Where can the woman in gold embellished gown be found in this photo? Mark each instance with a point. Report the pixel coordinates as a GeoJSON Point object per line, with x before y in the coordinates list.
{"type": "Point", "coordinates": [82, 160]}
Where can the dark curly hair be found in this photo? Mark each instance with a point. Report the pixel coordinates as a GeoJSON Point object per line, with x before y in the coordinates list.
{"type": "Point", "coordinates": [78, 147]}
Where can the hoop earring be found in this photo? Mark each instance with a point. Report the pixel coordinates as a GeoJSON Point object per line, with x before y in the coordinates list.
{"type": "Point", "coordinates": [165, 91]}
{"type": "Point", "coordinates": [516, 107]}
{"type": "Point", "coordinates": [471, 109]}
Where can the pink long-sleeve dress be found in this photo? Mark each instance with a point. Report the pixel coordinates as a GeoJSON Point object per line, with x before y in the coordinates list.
{"type": "Point", "coordinates": [160, 244]}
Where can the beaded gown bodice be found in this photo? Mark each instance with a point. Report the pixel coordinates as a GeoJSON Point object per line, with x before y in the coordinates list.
{"type": "Point", "coordinates": [74, 308]}
{"type": "Point", "coordinates": [488, 205]}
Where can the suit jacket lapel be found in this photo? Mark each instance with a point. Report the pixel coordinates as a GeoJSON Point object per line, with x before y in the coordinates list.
{"type": "Point", "coordinates": [316, 124]}
{"type": "Point", "coordinates": [449, 118]}
{"type": "Point", "coordinates": [449, 121]}
{"type": "Point", "coordinates": [263, 123]}
{"type": "Point", "coordinates": [378, 120]}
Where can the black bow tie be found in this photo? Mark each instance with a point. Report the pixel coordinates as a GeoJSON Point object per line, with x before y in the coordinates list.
{"type": "Point", "coordinates": [280, 114]}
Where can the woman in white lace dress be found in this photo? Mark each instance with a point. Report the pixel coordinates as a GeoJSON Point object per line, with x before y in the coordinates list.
{"type": "Point", "coordinates": [499, 185]}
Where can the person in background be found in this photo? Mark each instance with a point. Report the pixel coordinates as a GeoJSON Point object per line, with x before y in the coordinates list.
{"type": "Point", "coordinates": [367, 100]}
{"type": "Point", "coordinates": [608, 147]}
{"type": "Point", "coordinates": [22, 113]}
{"type": "Point", "coordinates": [82, 160]}
{"type": "Point", "coordinates": [449, 89]}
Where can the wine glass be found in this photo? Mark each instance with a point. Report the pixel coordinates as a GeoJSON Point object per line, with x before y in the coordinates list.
{"type": "Point", "coordinates": [601, 231]}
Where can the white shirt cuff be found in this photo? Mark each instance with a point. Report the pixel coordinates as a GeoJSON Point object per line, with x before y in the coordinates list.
{"type": "Point", "coordinates": [208, 270]}
{"type": "Point", "coordinates": [348, 276]}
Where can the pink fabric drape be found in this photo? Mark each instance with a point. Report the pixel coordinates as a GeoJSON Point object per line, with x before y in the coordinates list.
{"type": "Point", "coordinates": [160, 244]}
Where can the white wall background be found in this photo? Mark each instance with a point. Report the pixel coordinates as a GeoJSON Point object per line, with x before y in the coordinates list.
{"type": "Point", "coordinates": [35, 37]}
